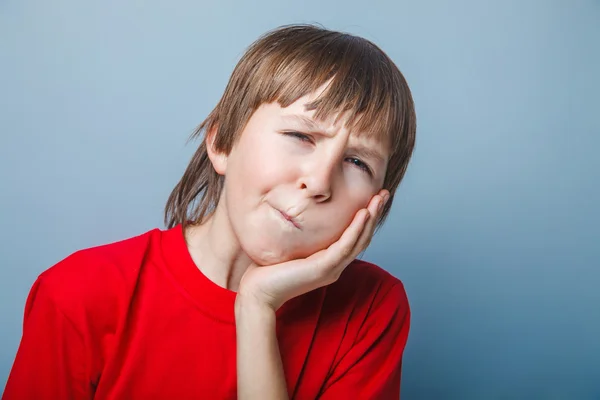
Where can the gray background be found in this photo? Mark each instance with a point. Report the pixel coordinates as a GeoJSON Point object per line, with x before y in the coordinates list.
{"type": "Point", "coordinates": [495, 231]}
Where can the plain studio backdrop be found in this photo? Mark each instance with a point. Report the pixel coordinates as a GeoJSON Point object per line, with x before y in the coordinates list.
{"type": "Point", "coordinates": [495, 231]}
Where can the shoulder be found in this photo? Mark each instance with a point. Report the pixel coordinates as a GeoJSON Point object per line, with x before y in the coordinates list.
{"type": "Point", "coordinates": [366, 298]}
{"type": "Point", "coordinates": [95, 280]}
{"type": "Point", "coordinates": [97, 266]}
{"type": "Point", "coordinates": [366, 282]}
{"type": "Point", "coordinates": [368, 328]}
{"type": "Point", "coordinates": [366, 312]}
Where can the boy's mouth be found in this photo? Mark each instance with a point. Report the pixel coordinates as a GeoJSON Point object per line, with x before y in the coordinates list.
{"type": "Point", "coordinates": [292, 220]}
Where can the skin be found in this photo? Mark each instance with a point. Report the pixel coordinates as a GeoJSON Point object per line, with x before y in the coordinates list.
{"type": "Point", "coordinates": [286, 164]}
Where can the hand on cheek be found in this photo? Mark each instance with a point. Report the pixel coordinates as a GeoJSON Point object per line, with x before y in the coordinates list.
{"type": "Point", "coordinates": [273, 285]}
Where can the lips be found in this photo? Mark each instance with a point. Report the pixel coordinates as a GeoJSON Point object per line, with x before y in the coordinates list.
{"type": "Point", "coordinates": [292, 220]}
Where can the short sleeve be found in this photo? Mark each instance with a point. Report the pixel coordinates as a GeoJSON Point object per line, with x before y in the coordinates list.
{"type": "Point", "coordinates": [50, 361]}
{"type": "Point", "coordinates": [371, 369]}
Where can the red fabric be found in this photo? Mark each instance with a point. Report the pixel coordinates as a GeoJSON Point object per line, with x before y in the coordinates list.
{"type": "Point", "coordinates": [137, 319]}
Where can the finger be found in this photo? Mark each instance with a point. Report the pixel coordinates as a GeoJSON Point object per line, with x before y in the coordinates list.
{"type": "Point", "coordinates": [354, 239]}
{"type": "Point", "coordinates": [375, 208]}
{"type": "Point", "coordinates": [342, 248]}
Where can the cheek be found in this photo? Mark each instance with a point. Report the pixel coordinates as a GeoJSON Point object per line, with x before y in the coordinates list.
{"type": "Point", "coordinates": [332, 222]}
{"type": "Point", "coordinates": [273, 172]}
{"type": "Point", "coordinates": [264, 167]}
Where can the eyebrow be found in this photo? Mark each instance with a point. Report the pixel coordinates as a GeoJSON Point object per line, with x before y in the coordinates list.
{"type": "Point", "coordinates": [368, 152]}
{"type": "Point", "coordinates": [308, 123]}
{"type": "Point", "coordinates": [312, 125]}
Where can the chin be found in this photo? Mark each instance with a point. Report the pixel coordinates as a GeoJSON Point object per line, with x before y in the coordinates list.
{"type": "Point", "coordinates": [263, 255]}
{"type": "Point", "coordinates": [269, 252]}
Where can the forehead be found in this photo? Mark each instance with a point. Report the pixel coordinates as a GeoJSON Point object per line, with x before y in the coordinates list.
{"type": "Point", "coordinates": [300, 114]}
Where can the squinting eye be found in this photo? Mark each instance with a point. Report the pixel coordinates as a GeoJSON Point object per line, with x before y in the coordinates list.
{"type": "Point", "coordinates": [300, 136]}
{"type": "Point", "coordinates": [307, 139]}
{"type": "Point", "coordinates": [360, 165]}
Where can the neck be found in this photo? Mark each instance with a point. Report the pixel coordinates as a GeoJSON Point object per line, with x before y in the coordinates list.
{"type": "Point", "coordinates": [216, 251]}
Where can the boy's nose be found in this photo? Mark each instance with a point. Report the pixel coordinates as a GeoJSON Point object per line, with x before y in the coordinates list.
{"type": "Point", "coordinates": [317, 183]}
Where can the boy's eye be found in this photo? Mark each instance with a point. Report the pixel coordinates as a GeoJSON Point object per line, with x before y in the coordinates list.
{"type": "Point", "coordinates": [298, 135]}
{"type": "Point", "coordinates": [306, 138]}
{"type": "Point", "coordinates": [360, 164]}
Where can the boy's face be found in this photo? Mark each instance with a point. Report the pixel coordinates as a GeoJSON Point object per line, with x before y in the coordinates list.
{"type": "Point", "coordinates": [293, 184]}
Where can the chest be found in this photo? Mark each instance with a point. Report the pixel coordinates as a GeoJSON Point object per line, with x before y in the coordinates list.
{"type": "Point", "coordinates": [185, 353]}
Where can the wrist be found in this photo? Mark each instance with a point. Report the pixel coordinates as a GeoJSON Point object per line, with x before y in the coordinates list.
{"type": "Point", "coordinates": [249, 304]}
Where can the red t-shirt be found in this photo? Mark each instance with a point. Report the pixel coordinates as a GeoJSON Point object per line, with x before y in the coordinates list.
{"type": "Point", "coordinates": [136, 319]}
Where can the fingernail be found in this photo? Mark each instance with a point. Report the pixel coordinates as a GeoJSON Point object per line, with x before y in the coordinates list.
{"type": "Point", "coordinates": [380, 205]}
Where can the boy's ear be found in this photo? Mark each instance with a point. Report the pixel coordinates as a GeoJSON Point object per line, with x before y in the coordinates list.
{"type": "Point", "coordinates": [217, 158]}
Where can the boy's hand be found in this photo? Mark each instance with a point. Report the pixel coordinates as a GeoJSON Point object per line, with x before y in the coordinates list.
{"type": "Point", "coordinates": [271, 286]}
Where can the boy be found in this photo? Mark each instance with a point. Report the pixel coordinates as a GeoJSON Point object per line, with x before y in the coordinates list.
{"type": "Point", "coordinates": [252, 291]}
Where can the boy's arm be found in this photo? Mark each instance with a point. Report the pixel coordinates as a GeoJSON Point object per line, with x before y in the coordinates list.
{"type": "Point", "coordinates": [50, 362]}
{"type": "Point", "coordinates": [264, 289]}
{"type": "Point", "coordinates": [371, 368]}
{"type": "Point", "coordinates": [259, 368]}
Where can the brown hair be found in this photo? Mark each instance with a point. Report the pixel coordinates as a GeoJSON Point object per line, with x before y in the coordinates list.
{"type": "Point", "coordinates": [284, 65]}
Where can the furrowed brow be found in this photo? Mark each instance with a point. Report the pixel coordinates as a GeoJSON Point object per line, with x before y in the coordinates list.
{"type": "Point", "coordinates": [368, 153]}
{"type": "Point", "coordinates": [305, 122]}
{"type": "Point", "coordinates": [360, 149]}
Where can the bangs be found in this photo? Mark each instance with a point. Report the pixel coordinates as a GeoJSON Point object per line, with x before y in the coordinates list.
{"type": "Point", "coordinates": [363, 84]}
